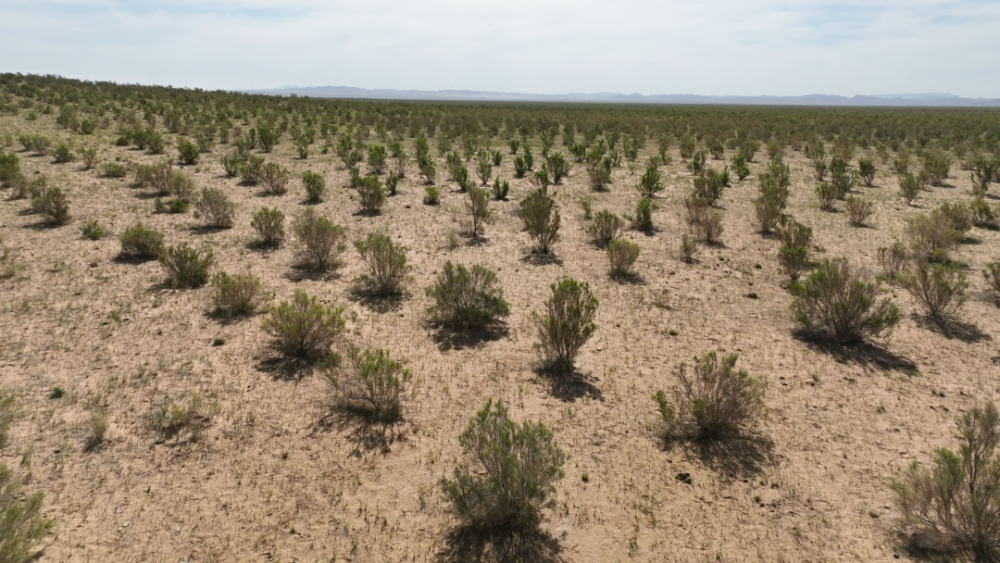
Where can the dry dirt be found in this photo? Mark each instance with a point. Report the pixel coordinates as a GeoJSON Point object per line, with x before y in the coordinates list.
{"type": "Point", "coordinates": [270, 480]}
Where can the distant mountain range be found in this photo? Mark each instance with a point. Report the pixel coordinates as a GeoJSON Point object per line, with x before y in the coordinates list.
{"type": "Point", "coordinates": [895, 100]}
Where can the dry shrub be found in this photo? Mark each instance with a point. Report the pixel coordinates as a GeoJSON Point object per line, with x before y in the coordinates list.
{"type": "Point", "coordinates": [940, 288]}
{"type": "Point", "coordinates": [794, 252]}
{"type": "Point", "coordinates": [322, 241]}
{"type": "Point", "coordinates": [217, 208]}
{"type": "Point", "coordinates": [478, 205]}
{"type": "Point", "coordinates": [834, 303]}
{"type": "Point", "coordinates": [714, 403]}
{"type": "Point", "coordinates": [270, 226]}
{"type": "Point", "coordinates": [372, 194]}
{"type": "Point", "coordinates": [170, 419]}
{"type": "Point", "coordinates": [858, 210]}
{"type": "Point", "coordinates": [688, 249]}
{"type": "Point", "coordinates": [304, 327]}
{"type": "Point", "coordinates": [274, 178]}
{"type": "Point", "coordinates": [315, 186]}
{"type": "Point", "coordinates": [369, 383]}
{"type": "Point", "coordinates": [21, 516]}
{"type": "Point", "coordinates": [186, 266]}
{"type": "Point", "coordinates": [238, 295]}
{"type": "Point", "coordinates": [567, 324]}
{"type": "Point", "coordinates": [540, 215]}
{"type": "Point", "coordinates": [386, 263]}
{"type": "Point", "coordinates": [892, 260]}
{"type": "Point", "coordinates": [467, 298]}
{"type": "Point", "coordinates": [622, 254]}
{"type": "Point", "coordinates": [140, 243]}
{"type": "Point", "coordinates": [53, 204]}
{"type": "Point", "coordinates": [605, 227]}
{"type": "Point", "coordinates": [932, 235]}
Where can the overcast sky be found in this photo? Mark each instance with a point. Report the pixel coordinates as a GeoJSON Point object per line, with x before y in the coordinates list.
{"type": "Point", "coordinates": [720, 47]}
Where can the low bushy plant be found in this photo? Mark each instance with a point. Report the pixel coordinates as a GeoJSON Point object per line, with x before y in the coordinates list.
{"type": "Point", "coordinates": [567, 324]}
{"type": "Point", "coordinates": [369, 383]}
{"type": "Point", "coordinates": [270, 226]}
{"type": "Point", "coordinates": [892, 261]}
{"type": "Point", "coordinates": [93, 230]}
{"type": "Point", "coordinates": [274, 178]}
{"type": "Point", "coordinates": [432, 195]}
{"type": "Point", "coordinates": [794, 252]}
{"type": "Point", "coordinates": [21, 515]}
{"type": "Point", "coordinates": [315, 186]}
{"type": "Point", "coordinates": [651, 182]}
{"type": "Point", "coordinates": [304, 327]}
{"type": "Point", "coordinates": [386, 261]}
{"type": "Point", "coordinates": [186, 267]}
{"type": "Point", "coordinates": [606, 226]}
{"type": "Point", "coordinates": [643, 219]}
{"type": "Point", "coordinates": [622, 255]}
{"type": "Point", "coordinates": [858, 210]}
{"type": "Point", "coordinates": [188, 152]}
{"type": "Point", "coordinates": [140, 243]}
{"type": "Point", "coordinates": [238, 294]}
{"type": "Point", "coordinates": [940, 288]}
{"type": "Point", "coordinates": [992, 274]}
{"type": "Point", "coordinates": [467, 298]}
{"type": "Point", "coordinates": [216, 207]}
{"type": "Point", "coordinates": [540, 215]}
{"type": "Point", "coordinates": [371, 195]}
{"type": "Point", "coordinates": [321, 241]}
{"type": "Point", "coordinates": [479, 211]}
{"type": "Point", "coordinates": [52, 204]}
{"type": "Point", "coordinates": [252, 171]}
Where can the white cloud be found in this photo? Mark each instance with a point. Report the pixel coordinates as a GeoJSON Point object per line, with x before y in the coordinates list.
{"type": "Point", "coordinates": [721, 47]}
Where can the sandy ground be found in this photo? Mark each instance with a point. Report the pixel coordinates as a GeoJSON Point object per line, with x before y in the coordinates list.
{"type": "Point", "coordinates": [270, 481]}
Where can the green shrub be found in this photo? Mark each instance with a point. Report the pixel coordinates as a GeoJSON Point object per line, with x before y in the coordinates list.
{"type": "Point", "coordinates": [500, 189]}
{"type": "Point", "coordinates": [478, 205]}
{"type": "Point", "coordinates": [892, 260]}
{"type": "Point", "coordinates": [188, 152]}
{"type": "Point", "coordinates": [10, 169]}
{"type": "Point", "coordinates": [836, 304]}
{"type": "Point", "coordinates": [428, 169]}
{"type": "Point", "coordinates": [186, 267]}
{"type": "Point", "coordinates": [23, 523]}
{"type": "Point", "coordinates": [983, 171]}
{"type": "Point", "coordinates": [541, 219]}
{"type": "Point", "coordinates": [769, 206]}
{"type": "Point", "coordinates": [369, 383]}
{"type": "Point", "coordinates": [238, 295]}
{"type": "Point", "coordinates": [740, 166]}
{"type": "Point", "coordinates": [599, 175]}
{"type": "Point", "coordinates": [643, 220]}
{"type": "Point", "coordinates": [267, 138]}
{"type": "Point", "coordinates": [622, 254]}
{"type": "Point", "coordinates": [936, 164]}
{"type": "Point", "coordinates": [714, 403]}
{"type": "Point", "coordinates": [461, 177]}
{"type": "Point", "coordinates": [93, 230]}
{"type": "Point", "coordinates": [867, 171]}
{"type": "Point", "coordinates": [511, 480]}
{"type": "Point", "coordinates": [8, 414]}
{"type": "Point", "coordinates": [932, 235]}
{"type": "Point", "coordinates": [252, 170]}
{"type": "Point", "coordinates": [605, 227]}
{"type": "Point", "coordinates": [140, 243]}
{"type": "Point", "coordinates": [467, 299]}
{"type": "Point", "coordinates": [274, 178]}
{"type": "Point", "coordinates": [520, 167]}
{"type": "Point", "coordinates": [392, 183]}
{"type": "Point", "coordinates": [567, 324]}
{"type": "Point", "coordinates": [270, 225]}
{"type": "Point", "coordinates": [304, 327]}
{"type": "Point", "coordinates": [170, 419]}
{"type": "Point", "coordinates": [63, 153]}
{"type": "Point", "coordinates": [53, 204]}
{"type": "Point", "coordinates": [231, 163]}
{"type": "Point", "coordinates": [650, 183]}
{"type": "Point", "coordinates": [180, 186]}
{"type": "Point", "coordinates": [909, 187]}
{"type": "Point", "coordinates": [315, 186]}
{"type": "Point", "coordinates": [841, 176]}
{"type": "Point", "coordinates": [958, 215]}
{"type": "Point", "coordinates": [954, 502]}
{"type": "Point", "coordinates": [113, 170]}
{"type": "Point", "coordinates": [794, 252]}
{"type": "Point", "coordinates": [89, 156]}
{"type": "Point", "coordinates": [432, 195]}
{"type": "Point", "coordinates": [217, 208]}
{"type": "Point", "coordinates": [321, 241]}
{"type": "Point", "coordinates": [514, 145]}
{"type": "Point", "coordinates": [940, 288]}
{"type": "Point", "coordinates": [708, 188]}
{"type": "Point", "coordinates": [484, 166]}
{"type": "Point", "coordinates": [992, 274]}
{"type": "Point", "coordinates": [688, 249]}
{"type": "Point", "coordinates": [901, 165]}
{"type": "Point", "coordinates": [983, 215]}
{"type": "Point", "coordinates": [377, 158]}
{"type": "Point", "coordinates": [386, 263]}
{"type": "Point", "coordinates": [371, 194]}
{"type": "Point", "coordinates": [557, 166]}
{"type": "Point", "coordinates": [858, 210]}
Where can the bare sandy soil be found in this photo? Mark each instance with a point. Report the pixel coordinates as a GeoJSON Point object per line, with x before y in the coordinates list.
{"type": "Point", "coordinates": [272, 480]}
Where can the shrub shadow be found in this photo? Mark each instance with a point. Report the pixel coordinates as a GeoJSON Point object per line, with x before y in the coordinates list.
{"type": "Point", "coordinates": [206, 229]}
{"type": "Point", "coordinates": [736, 455]}
{"type": "Point", "coordinates": [301, 272]}
{"type": "Point", "coordinates": [953, 329]}
{"type": "Point", "coordinates": [286, 368]}
{"type": "Point", "coordinates": [367, 433]}
{"type": "Point", "coordinates": [377, 302]}
{"type": "Point", "coordinates": [539, 259]}
{"type": "Point", "coordinates": [467, 545]}
{"type": "Point", "coordinates": [628, 278]}
{"type": "Point", "coordinates": [864, 354]}
{"type": "Point", "coordinates": [449, 338]}
{"type": "Point", "coordinates": [568, 386]}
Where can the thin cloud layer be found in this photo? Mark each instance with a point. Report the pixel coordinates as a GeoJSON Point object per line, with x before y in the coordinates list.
{"type": "Point", "coordinates": [721, 48]}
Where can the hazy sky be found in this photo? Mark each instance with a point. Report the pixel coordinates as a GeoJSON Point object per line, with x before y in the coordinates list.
{"type": "Point", "coordinates": [720, 47]}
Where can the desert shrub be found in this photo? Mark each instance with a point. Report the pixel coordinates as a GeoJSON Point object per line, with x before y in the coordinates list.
{"type": "Point", "coordinates": [932, 235]}
{"type": "Point", "coordinates": [315, 186]}
{"type": "Point", "coordinates": [484, 166]}
{"type": "Point", "coordinates": [650, 183]}
{"type": "Point", "coordinates": [238, 294]}
{"type": "Point", "coordinates": [274, 178]}
{"type": "Point", "coordinates": [432, 195]}
{"type": "Point", "coordinates": [186, 266]}
{"type": "Point", "coordinates": [252, 171]}
{"type": "Point", "coordinates": [622, 254]}
{"type": "Point", "coordinates": [708, 188]}
{"type": "Point", "coordinates": [858, 210]}
{"type": "Point", "coordinates": [376, 159]}
{"type": "Point", "coordinates": [231, 164]}
{"type": "Point", "coordinates": [9, 412]}
{"type": "Point", "coordinates": [22, 522]}
{"type": "Point", "coordinates": [587, 206]}
{"type": "Point", "coordinates": [936, 164]}
{"type": "Point", "coordinates": [605, 227]}
{"type": "Point", "coordinates": [709, 226]}
{"type": "Point", "coordinates": [909, 187]}
{"type": "Point", "coordinates": [188, 152]}
{"type": "Point", "coordinates": [267, 138]}
{"type": "Point", "coordinates": [558, 167]}
{"type": "Point", "coordinates": [369, 383]}
{"type": "Point", "coordinates": [89, 156]}
{"type": "Point", "coordinates": [52, 204]}
{"type": "Point", "coordinates": [467, 298]}
{"type": "Point", "coordinates": [392, 183]}
{"type": "Point", "coordinates": [940, 288]}
{"type": "Point", "coordinates": [371, 195]}
{"type": "Point", "coordinates": [170, 419]}
{"type": "Point", "coordinates": [461, 177]}
{"type": "Point", "coordinates": [892, 260]}
{"type": "Point", "coordinates": [92, 230]}
{"type": "Point", "coordinates": [714, 403]}
{"type": "Point", "coordinates": [303, 327]}
{"type": "Point", "coordinates": [983, 171]}
{"type": "Point", "coordinates": [688, 249]}
{"type": "Point", "coordinates": [478, 205]}
{"type": "Point", "coordinates": [567, 324]}
{"type": "Point", "coordinates": [321, 241]}
{"type": "Point", "coordinates": [841, 176]}
{"type": "Point", "coordinates": [63, 153]}
{"type": "Point", "coordinates": [520, 167]}
{"type": "Point", "coordinates": [866, 171]}
{"type": "Point", "coordinates": [599, 175]}
{"type": "Point", "coordinates": [697, 165]}
{"type": "Point", "coordinates": [740, 166]}
{"type": "Point", "coordinates": [140, 243]}
{"type": "Point", "coordinates": [643, 219]}
{"type": "Point", "coordinates": [958, 215]}
{"type": "Point", "coordinates": [827, 194]}
{"type": "Point", "coordinates": [770, 204]}
{"type": "Point", "coordinates": [794, 252]}
{"type": "Point", "coordinates": [901, 165]}
{"type": "Point", "coordinates": [386, 263]}
{"type": "Point", "coordinates": [156, 176]}
{"type": "Point", "coordinates": [982, 214]}
{"type": "Point", "coordinates": [97, 429]}
{"type": "Point", "coordinates": [834, 303]}
{"type": "Point", "coordinates": [540, 215]}
{"type": "Point", "coordinates": [217, 208]}
{"type": "Point", "coordinates": [954, 502]}
{"type": "Point", "coordinates": [497, 157]}
{"type": "Point", "coordinates": [992, 274]}
{"type": "Point", "coordinates": [514, 145]}
{"type": "Point", "coordinates": [355, 178]}
{"type": "Point", "coordinates": [10, 168]}
{"type": "Point", "coordinates": [270, 226]}
{"type": "Point", "coordinates": [500, 189]}
{"type": "Point", "coordinates": [179, 185]}
{"type": "Point", "coordinates": [427, 169]}
{"type": "Point", "coordinates": [511, 480]}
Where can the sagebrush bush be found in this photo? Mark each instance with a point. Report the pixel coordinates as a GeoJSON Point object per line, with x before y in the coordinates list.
{"type": "Point", "coordinates": [834, 303]}
{"type": "Point", "coordinates": [186, 267]}
{"type": "Point", "coordinates": [983, 214]}
{"type": "Point", "coordinates": [940, 288]}
{"type": "Point", "coordinates": [467, 298]}
{"type": "Point", "coordinates": [512, 473]}
{"type": "Point", "coordinates": [932, 235]}
{"type": "Point", "coordinates": [540, 215]}
{"type": "Point", "coordinates": [376, 159]}
{"type": "Point", "coordinates": [62, 154]}
{"type": "Point", "coordinates": [827, 194]}
{"type": "Point", "coordinates": [188, 152]}
{"type": "Point", "coordinates": [709, 226]}
{"type": "Point", "coordinates": [140, 243]}
{"type": "Point", "coordinates": [270, 226]}
{"type": "Point", "coordinates": [231, 164]}
{"type": "Point", "coordinates": [937, 165]}
{"type": "Point", "coordinates": [252, 170]}
{"type": "Point", "coordinates": [315, 186]}
{"type": "Point", "coordinates": [866, 171]}
{"type": "Point", "coordinates": [89, 156]}
{"type": "Point", "coordinates": [171, 419]}
{"type": "Point", "coordinates": [369, 383]}
{"type": "Point", "coordinates": [432, 195]}
{"type": "Point", "coordinates": [651, 182]}
{"type": "Point", "coordinates": [643, 218]}
{"type": "Point", "coordinates": [386, 261]}
{"type": "Point", "coordinates": [605, 227]}
{"type": "Point", "coordinates": [715, 403]}
{"type": "Point", "coordinates": [23, 525]}
{"type": "Point", "coordinates": [216, 207]}
{"type": "Point", "coordinates": [558, 167]}
{"type": "Point", "coordinates": [238, 294]}
{"type": "Point", "coordinates": [304, 327]}
{"type": "Point", "coordinates": [10, 169]}
{"type": "Point", "coordinates": [93, 230]}
{"type": "Point", "coordinates": [392, 183]}
{"type": "Point", "coordinates": [892, 260]}
{"type": "Point", "coordinates": [274, 178]}
{"type": "Point", "coordinates": [688, 249]}
{"type": "Point", "coordinates": [500, 189]}
{"type": "Point", "coordinates": [983, 171]}
{"type": "Point", "coordinates": [793, 255]}
{"type": "Point", "coordinates": [740, 166]}
{"type": "Point", "coordinates": [371, 195]}
{"type": "Point", "coordinates": [622, 255]}
{"type": "Point", "coordinates": [52, 204]}
{"type": "Point", "coordinates": [992, 274]}
{"type": "Point", "coordinates": [113, 170]}
{"type": "Point", "coordinates": [484, 166]}
{"type": "Point", "coordinates": [567, 324]}
{"type": "Point", "coordinates": [321, 241]}
{"type": "Point", "coordinates": [858, 210]}
{"type": "Point", "coordinates": [479, 211]}
{"type": "Point", "coordinates": [954, 503]}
